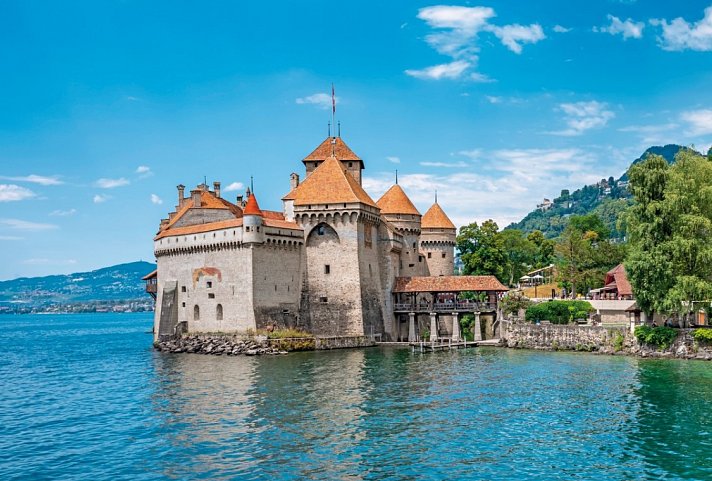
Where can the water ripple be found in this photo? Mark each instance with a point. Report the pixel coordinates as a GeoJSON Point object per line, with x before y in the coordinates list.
{"type": "Point", "coordinates": [85, 397]}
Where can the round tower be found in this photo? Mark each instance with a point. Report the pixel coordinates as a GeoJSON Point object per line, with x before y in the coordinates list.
{"type": "Point", "coordinates": [397, 209]}
{"type": "Point", "coordinates": [437, 241]}
{"type": "Point", "coordinates": [252, 222]}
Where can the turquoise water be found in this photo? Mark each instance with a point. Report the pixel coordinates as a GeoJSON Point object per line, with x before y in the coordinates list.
{"type": "Point", "coordinates": [85, 397]}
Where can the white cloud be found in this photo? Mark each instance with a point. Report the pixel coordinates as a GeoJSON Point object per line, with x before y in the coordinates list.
{"type": "Point", "coordinates": [513, 36]}
{"type": "Point", "coordinates": [393, 159]}
{"type": "Point", "coordinates": [560, 29]}
{"type": "Point", "coordinates": [99, 198]}
{"type": "Point", "coordinates": [10, 238]}
{"type": "Point", "coordinates": [628, 28]}
{"type": "Point", "coordinates": [234, 187]}
{"type": "Point", "coordinates": [321, 100]}
{"type": "Point", "coordinates": [699, 121]}
{"type": "Point", "coordinates": [493, 99]}
{"type": "Point", "coordinates": [156, 200]}
{"type": "Point", "coordinates": [144, 171]}
{"type": "Point", "coordinates": [36, 179]}
{"type": "Point", "coordinates": [444, 164]}
{"type": "Point", "coordinates": [63, 213]}
{"type": "Point", "coordinates": [473, 154]}
{"type": "Point", "coordinates": [12, 193]}
{"type": "Point", "coordinates": [104, 183]}
{"type": "Point", "coordinates": [583, 116]}
{"type": "Point", "coordinates": [505, 188]}
{"type": "Point", "coordinates": [436, 72]}
{"type": "Point", "coordinates": [682, 35]}
{"type": "Point", "coordinates": [26, 225]}
{"type": "Point", "coordinates": [455, 34]}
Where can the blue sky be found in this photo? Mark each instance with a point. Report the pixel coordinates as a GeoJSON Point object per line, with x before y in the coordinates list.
{"type": "Point", "coordinates": [106, 106]}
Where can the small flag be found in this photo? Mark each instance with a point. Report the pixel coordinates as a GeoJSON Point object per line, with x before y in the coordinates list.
{"type": "Point", "coordinates": [333, 100]}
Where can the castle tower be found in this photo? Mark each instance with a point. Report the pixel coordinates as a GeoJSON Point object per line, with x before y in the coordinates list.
{"type": "Point", "coordinates": [336, 147]}
{"type": "Point", "coordinates": [252, 222]}
{"type": "Point", "coordinates": [398, 209]}
{"type": "Point", "coordinates": [342, 287]}
{"type": "Point", "coordinates": [437, 241]}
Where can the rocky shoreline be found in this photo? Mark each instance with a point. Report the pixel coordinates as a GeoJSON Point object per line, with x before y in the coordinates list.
{"type": "Point", "coordinates": [218, 346]}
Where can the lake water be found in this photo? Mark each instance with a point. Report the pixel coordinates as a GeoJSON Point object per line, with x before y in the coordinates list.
{"type": "Point", "coordinates": [85, 397]}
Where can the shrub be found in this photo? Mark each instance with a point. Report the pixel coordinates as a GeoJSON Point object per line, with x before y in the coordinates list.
{"type": "Point", "coordinates": [703, 336]}
{"type": "Point", "coordinates": [513, 301]}
{"type": "Point", "coordinates": [618, 342]}
{"type": "Point", "coordinates": [558, 312]}
{"type": "Point", "coordinates": [660, 336]}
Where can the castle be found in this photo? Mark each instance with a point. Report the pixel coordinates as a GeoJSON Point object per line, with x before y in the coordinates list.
{"type": "Point", "coordinates": [333, 262]}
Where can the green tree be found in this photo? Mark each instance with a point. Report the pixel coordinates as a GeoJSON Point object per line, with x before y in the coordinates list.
{"type": "Point", "coordinates": [688, 201]}
{"type": "Point", "coordinates": [481, 249]}
{"type": "Point", "coordinates": [586, 254]}
{"type": "Point", "coordinates": [519, 253]}
{"type": "Point", "coordinates": [649, 230]}
{"type": "Point", "coordinates": [544, 254]}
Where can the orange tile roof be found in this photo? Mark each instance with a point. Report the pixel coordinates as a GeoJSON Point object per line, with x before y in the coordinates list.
{"type": "Point", "coordinates": [272, 214]}
{"type": "Point", "coordinates": [252, 207]}
{"type": "Point", "coordinates": [291, 195]}
{"type": "Point", "coordinates": [283, 224]}
{"type": "Point", "coordinates": [395, 201]}
{"type": "Point", "coordinates": [330, 184]}
{"type": "Point", "coordinates": [326, 149]}
{"type": "Point", "coordinates": [199, 228]}
{"type": "Point", "coordinates": [208, 200]}
{"type": "Point", "coordinates": [436, 218]}
{"type": "Point", "coordinates": [448, 284]}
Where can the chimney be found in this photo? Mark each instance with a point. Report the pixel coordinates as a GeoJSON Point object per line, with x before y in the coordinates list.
{"type": "Point", "coordinates": [216, 188]}
{"type": "Point", "coordinates": [239, 200]}
{"type": "Point", "coordinates": [196, 197]}
{"type": "Point", "coordinates": [293, 181]}
{"type": "Point", "coordinates": [181, 192]}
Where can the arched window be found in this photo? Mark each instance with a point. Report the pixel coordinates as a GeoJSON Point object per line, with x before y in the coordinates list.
{"type": "Point", "coordinates": [219, 312]}
{"type": "Point", "coordinates": [196, 313]}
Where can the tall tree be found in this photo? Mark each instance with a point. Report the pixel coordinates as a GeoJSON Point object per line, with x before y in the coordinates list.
{"type": "Point", "coordinates": [481, 249]}
{"type": "Point", "coordinates": [544, 255]}
{"type": "Point", "coordinates": [519, 253]}
{"type": "Point", "coordinates": [649, 229]}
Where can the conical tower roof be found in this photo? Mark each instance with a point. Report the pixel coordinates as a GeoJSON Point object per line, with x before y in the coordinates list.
{"type": "Point", "coordinates": [436, 218]}
{"type": "Point", "coordinates": [395, 201]}
{"type": "Point", "coordinates": [252, 207]}
{"type": "Point", "coordinates": [332, 146]}
{"type": "Point", "coordinates": [329, 184]}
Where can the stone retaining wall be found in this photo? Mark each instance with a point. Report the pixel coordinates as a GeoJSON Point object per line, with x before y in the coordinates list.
{"type": "Point", "coordinates": [603, 340]}
{"type": "Point", "coordinates": [229, 345]}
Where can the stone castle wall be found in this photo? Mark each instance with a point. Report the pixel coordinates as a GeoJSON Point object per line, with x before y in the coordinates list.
{"type": "Point", "coordinates": [333, 299]}
{"type": "Point", "coordinates": [276, 282]}
{"type": "Point", "coordinates": [206, 279]}
{"type": "Point", "coordinates": [439, 250]}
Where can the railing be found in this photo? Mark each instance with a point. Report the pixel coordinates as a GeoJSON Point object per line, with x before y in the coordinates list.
{"type": "Point", "coordinates": [446, 307]}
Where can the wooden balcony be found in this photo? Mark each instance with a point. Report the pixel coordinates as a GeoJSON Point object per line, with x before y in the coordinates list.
{"type": "Point", "coordinates": [445, 307]}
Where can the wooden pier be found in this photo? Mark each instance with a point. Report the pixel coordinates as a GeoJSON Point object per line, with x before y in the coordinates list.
{"type": "Point", "coordinates": [448, 344]}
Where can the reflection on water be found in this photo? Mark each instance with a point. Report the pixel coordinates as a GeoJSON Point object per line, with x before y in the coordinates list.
{"type": "Point", "coordinates": [673, 429]}
{"type": "Point", "coordinates": [84, 397]}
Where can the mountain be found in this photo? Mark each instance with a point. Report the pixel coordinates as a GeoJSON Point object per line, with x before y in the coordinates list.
{"type": "Point", "coordinates": [120, 282]}
{"type": "Point", "coordinates": [608, 198]}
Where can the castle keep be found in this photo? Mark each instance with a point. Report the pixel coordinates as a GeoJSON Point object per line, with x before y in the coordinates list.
{"type": "Point", "coordinates": [333, 262]}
